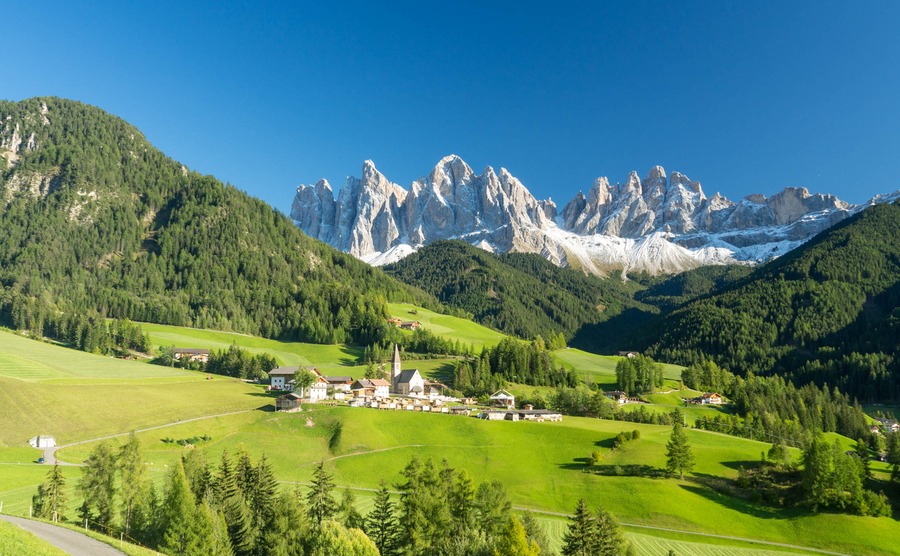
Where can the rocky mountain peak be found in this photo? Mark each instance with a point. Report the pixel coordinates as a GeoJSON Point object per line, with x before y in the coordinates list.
{"type": "Point", "coordinates": [662, 223]}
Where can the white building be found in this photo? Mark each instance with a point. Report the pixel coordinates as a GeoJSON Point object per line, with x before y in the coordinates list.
{"type": "Point", "coordinates": [42, 441]}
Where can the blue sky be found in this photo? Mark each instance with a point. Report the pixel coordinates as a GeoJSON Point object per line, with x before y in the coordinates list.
{"type": "Point", "coordinates": [743, 96]}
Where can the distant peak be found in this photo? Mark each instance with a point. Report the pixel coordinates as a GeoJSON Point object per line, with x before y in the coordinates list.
{"type": "Point", "coordinates": [656, 172]}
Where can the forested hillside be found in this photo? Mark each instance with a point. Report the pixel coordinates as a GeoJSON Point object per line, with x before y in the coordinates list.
{"type": "Point", "coordinates": [520, 294]}
{"type": "Point", "coordinates": [95, 221]}
{"type": "Point", "coordinates": [828, 312]}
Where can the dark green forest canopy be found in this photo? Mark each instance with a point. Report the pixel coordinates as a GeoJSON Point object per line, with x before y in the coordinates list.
{"type": "Point", "coordinates": [520, 294]}
{"type": "Point", "coordinates": [827, 312]}
{"type": "Point", "coordinates": [95, 219]}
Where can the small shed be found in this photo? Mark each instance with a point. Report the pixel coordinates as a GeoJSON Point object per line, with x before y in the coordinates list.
{"type": "Point", "coordinates": [42, 441]}
{"type": "Point", "coordinates": [288, 402]}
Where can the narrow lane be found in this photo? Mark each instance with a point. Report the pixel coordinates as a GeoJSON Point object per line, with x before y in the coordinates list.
{"type": "Point", "coordinates": [76, 544]}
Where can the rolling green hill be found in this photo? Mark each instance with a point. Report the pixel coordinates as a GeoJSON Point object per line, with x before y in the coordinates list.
{"type": "Point", "coordinates": [95, 220]}
{"type": "Point", "coordinates": [827, 312]}
{"type": "Point", "coordinates": [519, 294]}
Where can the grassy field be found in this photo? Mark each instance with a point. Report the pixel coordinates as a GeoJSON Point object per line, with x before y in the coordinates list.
{"type": "Point", "coordinates": [601, 369]}
{"type": "Point", "coordinates": [74, 395]}
{"type": "Point", "coordinates": [541, 464]}
{"type": "Point", "coordinates": [455, 328]}
{"type": "Point", "coordinates": [15, 540]}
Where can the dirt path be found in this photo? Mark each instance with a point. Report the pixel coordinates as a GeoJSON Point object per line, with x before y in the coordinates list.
{"type": "Point", "coordinates": [50, 453]}
{"type": "Point", "coordinates": [67, 540]}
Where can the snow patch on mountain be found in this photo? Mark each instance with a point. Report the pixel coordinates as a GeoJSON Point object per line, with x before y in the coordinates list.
{"type": "Point", "coordinates": [661, 224]}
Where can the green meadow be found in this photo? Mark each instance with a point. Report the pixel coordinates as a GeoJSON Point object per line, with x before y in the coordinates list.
{"type": "Point", "coordinates": [75, 396]}
{"type": "Point", "coordinates": [543, 466]}
{"type": "Point", "coordinates": [455, 328]}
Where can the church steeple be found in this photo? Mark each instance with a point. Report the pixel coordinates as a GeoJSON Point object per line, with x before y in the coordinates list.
{"type": "Point", "coordinates": [395, 368]}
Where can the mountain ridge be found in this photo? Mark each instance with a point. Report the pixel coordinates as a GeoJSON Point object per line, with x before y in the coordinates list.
{"type": "Point", "coordinates": [659, 225]}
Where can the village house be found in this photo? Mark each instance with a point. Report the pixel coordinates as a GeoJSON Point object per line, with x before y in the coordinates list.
{"type": "Point", "coordinates": [42, 441]}
{"type": "Point", "coordinates": [339, 383]}
{"type": "Point", "coordinates": [192, 355]}
{"type": "Point", "coordinates": [617, 396]}
{"type": "Point", "coordinates": [280, 376]}
{"type": "Point", "coordinates": [410, 325]}
{"type": "Point", "coordinates": [711, 398]}
{"type": "Point", "coordinates": [628, 354]}
{"type": "Point", "coordinates": [515, 415]}
{"type": "Point", "coordinates": [288, 402]}
{"type": "Point", "coordinates": [888, 425]}
{"type": "Point", "coordinates": [371, 388]}
{"type": "Point", "coordinates": [502, 398]}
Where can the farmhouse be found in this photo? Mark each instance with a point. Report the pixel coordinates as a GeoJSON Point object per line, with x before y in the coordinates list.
{"type": "Point", "coordinates": [339, 383]}
{"type": "Point", "coordinates": [280, 376]}
{"type": "Point", "coordinates": [371, 388]}
{"type": "Point", "coordinates": [628, 354]}
{"type": "Point", "coordinates": [502, 398]}
{"type": "Point", "coordinates": [395, 321]}
{"type": "Point", "coordinates": [288, 402]}
{"type": "Point", "coordinates": [192, 355]}
{"type": "Point", "coordinates": [42, 441]}
{"type": "Point", "coordinates": [617, 396]}
{"type": "Point", "coordinates": [410, 325]}
{"type": "Point", "coordinates": [711, 398]}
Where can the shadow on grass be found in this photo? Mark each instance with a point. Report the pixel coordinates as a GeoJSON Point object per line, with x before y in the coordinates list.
{"type": "Point", "coordinates": [606, 443]}
{"type": "Point", "coordinates": [702, 487]}
{"type": "Point", "coordinates": [742, 464]}
{"type": "Point", "coordinates": [633, 470]}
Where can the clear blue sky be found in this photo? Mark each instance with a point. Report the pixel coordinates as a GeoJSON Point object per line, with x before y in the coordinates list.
{"type": "Point", "coordinates": [744, 96]}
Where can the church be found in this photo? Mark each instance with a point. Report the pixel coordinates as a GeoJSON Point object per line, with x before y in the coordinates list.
{"type": "Point", "coordinates": [405, 383]}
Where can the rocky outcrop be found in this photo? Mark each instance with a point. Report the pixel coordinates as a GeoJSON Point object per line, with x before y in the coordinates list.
{"type": "Point", "coordinates": [658, 224]}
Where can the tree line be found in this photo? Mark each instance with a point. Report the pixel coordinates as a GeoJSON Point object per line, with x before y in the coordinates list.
{"type": "Point", "coordinates": [237, 508]}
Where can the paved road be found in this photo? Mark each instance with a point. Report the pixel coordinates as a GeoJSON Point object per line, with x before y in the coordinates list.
{"type": "Point", "coordinates": [70, 541]}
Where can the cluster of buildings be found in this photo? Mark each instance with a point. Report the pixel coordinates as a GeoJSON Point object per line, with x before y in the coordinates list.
{"type": "Point", "coordinates": [406, 390]}
{"type": "Point", "coordinates": [707, 398]}
{"type": "Point", "coordinates": [405, 324]}
{"type": "Point", "coordinates": [403, 384]}
{"type": "Point", "coordinates": [884, 425]}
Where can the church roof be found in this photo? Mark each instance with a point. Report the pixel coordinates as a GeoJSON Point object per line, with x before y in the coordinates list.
{"type": "Point", "coordinates": [405, 377]}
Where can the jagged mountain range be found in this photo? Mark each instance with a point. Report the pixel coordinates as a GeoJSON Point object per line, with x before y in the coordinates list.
{"type": "Point", "coordinates": [660, 224]}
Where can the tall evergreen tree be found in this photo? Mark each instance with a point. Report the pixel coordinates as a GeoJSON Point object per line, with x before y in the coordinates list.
{"type": "Point", "coordinates": [610, 540]}
{"type": "Point", "coordinates": [50, 500]}
{"type": "Point", "coordinates": [679, 457]}
{"type": "Point", "coordinates": [183, 530]}
{"type": "Point", "coordinates": [580, 538]}
{"type": "Point", "coordinates": [98, 486]}
{"type": "Point", "coordinates": [320, 502]}
{"type": "Point", "coordinates": [381, 524]}
{"type": "Point", "coordinates": [349, 515]}
{"type": "Point", "coordinates": [133, 480]}
{"type": "Point", "coordinates": [514, 541]}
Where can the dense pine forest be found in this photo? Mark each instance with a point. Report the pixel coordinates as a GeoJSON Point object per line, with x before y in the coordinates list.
{"type": "Point", "coordinates": [521, 294]}
{"type": "Point", "coordinates": [97, 222]}
{"type": "Point", "coordinates": [828, 313]}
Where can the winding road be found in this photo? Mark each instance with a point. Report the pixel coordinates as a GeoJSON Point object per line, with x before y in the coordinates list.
{"type": "Point", "coordinates": [73, 542]}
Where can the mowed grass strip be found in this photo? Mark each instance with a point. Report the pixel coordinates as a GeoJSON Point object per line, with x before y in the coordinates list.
{"type": "Point", "coordinates": [329, 358]}
{"type": "Point", "coordinates": [26, 359]}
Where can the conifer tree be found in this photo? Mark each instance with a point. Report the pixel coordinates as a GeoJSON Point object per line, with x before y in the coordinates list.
{"type": "Point", "coordinates": [183, 531]}
{"type": "Point", "coordinates": [133, 480]}
{"type": "Point", "coordinates": [320, 503]}
{"type": "Point", "coordinates": [536, 533]}
{"type": "Point", "coordinates": [288, 533]}
{"type": "Point", "coordinates": [234, 507]}
{"type": "Point", "coordinates": [580, 538]}
{"type": "Point", "coordinates": [610, 540]}
{"type": "Point", "coordinates": [679, 457]}
{"type": "Point", "coordinates": [381, 524]}
{"type": "Point", "coordinates": [98, 486]}
{"type": "Point", "coordinates": [350, 516]}
{"type": "Point", "coordinates": [50, 500]}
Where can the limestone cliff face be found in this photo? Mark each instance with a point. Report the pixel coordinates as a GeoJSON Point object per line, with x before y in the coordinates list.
{"type": "Point", "coordinates": [660, 224]}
